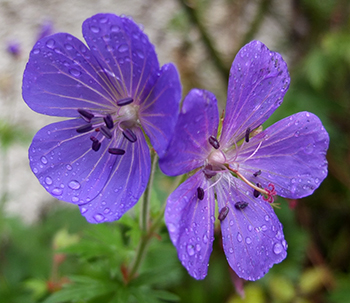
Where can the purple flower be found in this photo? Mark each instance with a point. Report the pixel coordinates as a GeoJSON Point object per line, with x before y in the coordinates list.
{"type": "Point", "coordinates": [240, 166]}
{"type": "Point", "coordinates": [45, 29]}
{"type": "Point", "coordinates": [114, 91]}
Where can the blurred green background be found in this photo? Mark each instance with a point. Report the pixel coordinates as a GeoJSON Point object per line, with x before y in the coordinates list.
{"type": "Point", "coordinates": [61, 258]}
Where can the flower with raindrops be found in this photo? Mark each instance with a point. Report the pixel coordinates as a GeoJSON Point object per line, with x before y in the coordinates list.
{"type": "Point", "coordinates": [234, 161]}
{"type": "Point", "coordinates": [119, 101]}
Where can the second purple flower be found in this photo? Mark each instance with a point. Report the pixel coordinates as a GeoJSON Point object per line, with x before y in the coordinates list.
{"type": "Point", "coordinates": [241, 166]}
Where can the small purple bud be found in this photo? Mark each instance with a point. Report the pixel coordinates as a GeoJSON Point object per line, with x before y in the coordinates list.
{"type": "Point", "coordinates": [116, 151]}
{"type": "Point", "coordinates": [124, 101]}
{"type": "Point", "coordinates": [13, 48]}
{"type": "Point", "coordinates": [87, 116]}
{"type": "Point", "coordinates": [223, 213]}
{"type": "Point", "coordinates": [241, 205]}
{"type": "Point", "coordinates": [257, 173]}
{"type": "Point", "coordinates": [200, 193]}
{"type": "Point", "coordinates": [129, 134]}
{"type": "Point", "coordinates": [214, 142]}
{"type": "Point", "coordinates": [106, 132]}
{"type": "Point", "coordinates": [247, 133]}
{"type": "Point", "coordinates": [108, 121]}
{"type": "Point", "coordinates": [85, 128]}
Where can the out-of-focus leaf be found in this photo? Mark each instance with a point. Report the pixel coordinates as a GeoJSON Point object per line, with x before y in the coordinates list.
{"type": "Point", "coordinates": [281, 288]}
{"type": "Point", "coordinates": [312, 279]}
{"type": "Point", "coordinates": [63, 239]}
{"type": "Point", "coordinates": [37, 287]}
{"type": "Point", "coordinates": [253, 294]}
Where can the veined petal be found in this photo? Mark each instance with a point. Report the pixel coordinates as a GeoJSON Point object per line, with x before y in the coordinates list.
{"type": "Point", "coordinates": [62, 75]}
{"type": "Point", "coordinates": [126, 183]}
{"type": "Point", "coordinates": [190, 221]}
{"type": "Point", "coordinates": [70, 170]}
{"type": "Point", "coordinates": [252, 235]}
{"type": "Point", "coordinates": [189, 147]}
{"type": "Point", "coordinates": [158, 113]}
{"type": "Point", "coordinates": [258, 81]}
{"type": "Point", "coordinates": [292, 156]}
{"type": "Point", "coordinates": [124, 53]}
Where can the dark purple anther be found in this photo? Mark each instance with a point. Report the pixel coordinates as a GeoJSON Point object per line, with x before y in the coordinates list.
{"type": "Point", "coordinates": [200, 193]}
{"type": "Point", "coordinates": [106, 132]}
{"type": "Point", "coordinates": [95, 143]}
{"type": "Point", "coordinates": [108, 121]}
{"type": "Point", "coordinates": [256, 193]}
{"type": "Point", "coordinates": [247, 133]}
{"type": "Point", "coordinates": [223, 213]}
{"type": "Point", "coordinates": [208, 171]}
{"type": "Point", "coordinates": [214, 142]}
{"type": "Point", "coordinates": [241, 205]}
{"type": "Point", "coordinates": [87, 116]}
{"type": "Point", "coordinates": [129, 134]}
{"type": "Point", "coordinates": [124, 101]}
{"type": "Point", "coordinates": [85, 128]}
{"type": "Point", "coordinates": [257, 173]}
{"type": "Point", "coordinates": [116, 151]}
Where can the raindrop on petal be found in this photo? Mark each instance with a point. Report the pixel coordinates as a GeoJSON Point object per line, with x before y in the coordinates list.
{"type": "Point", "coordinates": [74, 184]}
{"type": "Point", "coordinates": [277, 248]}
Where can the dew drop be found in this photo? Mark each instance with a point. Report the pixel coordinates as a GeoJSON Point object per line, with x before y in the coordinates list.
{"type": "Point", "coordinates": [68, 46]}
{"type": "Point", "coordinates": [74, 184]}
{"type": "Point", "coordinates": [57, 191]}
{"type": "Point", "coordinates": [83, 210]}
{"type": "Point", "coordinates": [115, 28]}
{"type": "Point", "coordinates": [264, 228]}
{"type": "Point", "coordinates": [98, 217]}
{"type": "Point", "coordinates": [50, 43]}
{"type": "Point", "coordinates": [198, 247]}
{"type": "Point", "coordinates": [123, 48]}
{"type": "Point", "coordinates": [48, 180]}
{"type": "Point", "coordinates": [43, 160]}
{"type": "Point", "coordinates": [285, 245]}
{"type": "Point", "coordinates": [106, 211]}
{"type": "Point", "coordinates": [171, 227]}
{"type": "Point", "coordinates": [205, 239]}
{"type": "Point", "coordinates": [75, 199]}
{"type": "Point", "coordinates": [231, 250]}
{"type": "Point", "coordinates": [36, 51]}
{"type": "Point", "coordinates": [95, 29]}
{"type": "Point", "coordinates": [140, 54]}
{"type": "Point", "coordinates": [267, 218]}
{"type": "Point", "coordinates": [74, 72]}
{"type": "Point", "coordinates": [248, 240]}
{"type": "Point", "coordinates": [69, 167]}
{"type": "Point", "coordinates": [190, 250]}
{"type": "Point", "coordinates": [239, 237]}
{"type": "Point", "coordinates": [277, 248]}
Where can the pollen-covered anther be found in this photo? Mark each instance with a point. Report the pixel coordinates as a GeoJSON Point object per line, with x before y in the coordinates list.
{"type": "Point", "coordinates": [129, 135]}
{"type": "Point", "coordinates": [257, 173]}
{"type": "Point", "coordinates": [86, 115]}
{"type": "Point", "coordinates": [116, 151]}
{"type": "Point", "coordinates": [270, 193]}
{"type": "Point", "coordinates": [247, 133]}
{"type": "Point", "coordinates": [106, 132]}
{"type": "Point", "coordinates": [255, 192]}
{"type": "Point", "coordinates": [124, 101]}
{"type": "Point", "coordinates": [214, 142]}
{"type": "Point", "coordinates": [85, 128]}
{"type": "Point", "coordinates": [108, 121]}
{"type": "Point", "coordinates": [200, 193]}
{"type": "Point", "coordinates": [241, 205]}
{"type": "Point", "coordinates": [223, 213]}
{"type": "Point", "coordinates": [95, 143]}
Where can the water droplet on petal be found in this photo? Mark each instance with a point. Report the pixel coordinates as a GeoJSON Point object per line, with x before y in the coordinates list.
{"type": "Point", "coordinates": [106, 211]}
{"type": "Point", "coordinates": [277, 248]}
{"type": "Point", "coordinates": [123, 48]}
{"type": "Point", "coordinates": [95, 29]}
{"type": "Point", "coordinates": [248, 240]}
{"type": "Point", "coordinates": [69, 167]}
{"type": "Point", "coordinates": [285, 245]}
{"type": "Point", "coordinates": [98, 217]}
{"type": "Point", "coordinates": [36, 51]}
{"type": "Point", "coordinates": [140, 53]}
{"type": "Point", "coordinates": [115, 28]}
{"type": "Point", "coordinates": [48, 180]}
{"type": "Point", "coordinates": [239, 237]}
{"type": "Point", "coordinates": [50, 43]}
{"type": "Point", "coordinates": [171, 227]}
{"type": "Point", "coordinates": [205, 239]}
{"type": "Point", "coordinates": [190, 249]}
{"type": "Point", "coordinates": [57, 191]}
{"type": "Point", "coordinates": [267, 218]}
{"type": "Point", "coordinates": [75, 199]}
{"type": "Point", "coordinates": [43, 160]}
{"type": "Point", "coordinates": [198, 247]}
{"type": "Point", "coordinates": [83, 210]}
{"type": "Point", "coordinates": [74, 72]}
{"type": "Point", "coordinates": [74, 184]}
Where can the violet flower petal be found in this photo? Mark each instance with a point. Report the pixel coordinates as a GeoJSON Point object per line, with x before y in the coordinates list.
{"type": "Point", "coordinates": [159, 112]}
{"type": "Point", "coordinates": [258, 81]}
{"type": "Point", "coordinates": [62, 76]}
{"type": "Point", "coordinates": [127, 180]}
{"type": "Point", "coordinates": [190, 222]}
{"type": "Point", "coordinates": [80, 175]}
{"type": "Point", "coordinates": [252, 237]}
{"type": "Point", "coordinates": [189, 147]}
{"type": "Point", "coordinates": [292, 156]}
{"type": "Point", "coordinates": [124, 53]}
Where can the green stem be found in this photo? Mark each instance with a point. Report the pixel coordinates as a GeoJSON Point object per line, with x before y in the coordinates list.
{"type": "Point", "coordinates": [146, 234]}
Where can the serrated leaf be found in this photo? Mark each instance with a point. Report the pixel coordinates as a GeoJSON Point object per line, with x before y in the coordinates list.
{"type": "Point", "coordinates": [82, 288]}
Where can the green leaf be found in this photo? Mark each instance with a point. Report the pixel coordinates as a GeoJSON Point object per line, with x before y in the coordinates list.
{"type": "Point", "coordinates": [81, 289]}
